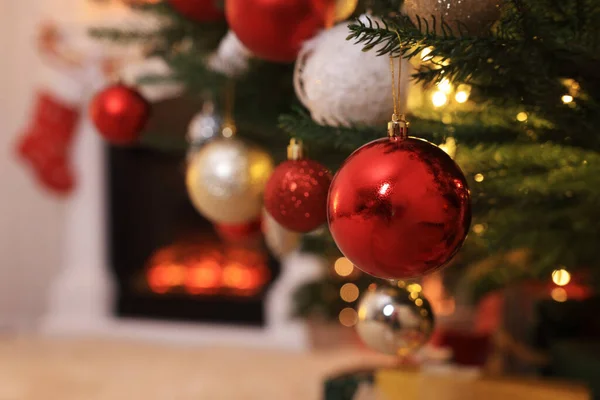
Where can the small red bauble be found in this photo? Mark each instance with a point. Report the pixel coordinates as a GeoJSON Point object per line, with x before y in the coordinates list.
{"type": "Point", "coordinates": [273, 29]}
{"type": "Point", "coordinates": [119, 113]}
{"type": "Point", "coordinates": [239, 232]}
{"type": "Point", "coordinates": [296, 195]}
{"type": "Point", "coordinates": [198, 10]}
{"type": "Point", "coordinates": [399, 208]}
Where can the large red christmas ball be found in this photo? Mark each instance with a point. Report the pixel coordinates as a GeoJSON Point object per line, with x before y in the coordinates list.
{"type": "Point", "coordinates": [296, 195]}
{"type": "Point", "coordinates": [273, 29]}
{"type": "Point", "coordinates": [119, 113]}
{"type": "Point", "coordinates": [198, 10]}
{"type": "Point", "coordinates": [399, 208]}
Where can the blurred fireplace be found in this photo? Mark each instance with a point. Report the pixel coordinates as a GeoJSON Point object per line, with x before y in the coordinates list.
{"type": "Point", "coordinates": [169, 261]}
{"type": "Point", "coordinates": [140, 262]}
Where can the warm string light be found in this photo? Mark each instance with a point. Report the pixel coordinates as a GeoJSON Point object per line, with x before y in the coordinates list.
{"type": "Point", "coordinates": [479, 178]}
{"type": "Point", "coordinates": [439, 98]}
{"type": "Point", "coordinates": [559, 294]}
{"type": "Point", "coordinates": [573, 89]}
{"type": "Point", "coordinates": [445, 86]}
{"type": "Point", "coordinates": [567, 98]}
{"type": "Point", "coordinates": [561, 277]}
{"type": "Point", "coordinates": [444, 91]}
{"type": "Point", "coordinates": [522, 116]}
{"type": "Point", "coordinates": [478, 229]}
{"type": "Point", "coordinates": [348, 317]}
{"type": "Point", "coordinates": [343, 267]}
{"type": "Point", "coordinates": [349, 292]}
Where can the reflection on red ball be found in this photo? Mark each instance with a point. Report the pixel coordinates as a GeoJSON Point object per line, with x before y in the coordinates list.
{"type": "Point", "coordinates": [273, 29]}
{"type": "Point", "coordinates": [198, 10]}
{"type": "Point", "coordinates": [296, 195]}
{"type": "Point", "coordinates": [399, 208]}
{"type": "Point", "coordinates": [119, 113]}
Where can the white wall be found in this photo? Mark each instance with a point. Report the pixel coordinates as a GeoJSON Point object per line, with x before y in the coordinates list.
{"type": "Point", "coordinates": [30, 218]}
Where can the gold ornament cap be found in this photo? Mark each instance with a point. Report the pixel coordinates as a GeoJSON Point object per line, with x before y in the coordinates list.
{"type": "Point", "coordinates": [295, 150]}
{"type": "Point", "coordinates": [398, 127]}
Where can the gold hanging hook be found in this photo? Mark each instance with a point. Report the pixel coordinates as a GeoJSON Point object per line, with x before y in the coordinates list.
{"type": "Point", "coordinates": [398, 126]}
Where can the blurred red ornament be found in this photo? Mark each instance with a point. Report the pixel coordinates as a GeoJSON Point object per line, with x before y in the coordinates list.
{"type": "Point", "coordinates": [296, 195]}
{"type": "Point", "coordinates": [198, 10]}
{"type": "Point", "coordinates": [239, 231]}
{"type": "Point", "coordinates": [274, 29]}
{"type": "Point", "coordinates": [399, 208]}
{"type": "Point", "coordinates": [119, 113]}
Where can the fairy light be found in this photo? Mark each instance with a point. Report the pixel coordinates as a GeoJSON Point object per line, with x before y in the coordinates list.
{"type": "Point", "coordinates": [419, 302]}
{"type": "Point", "coordinates": [349, 292]}
{"type": "Point", "coordinates": [343, 267]}
{"type": "Point", "coordinates": [348, 317]}
{"type": "Point", "coordinates": [561, 277]}
{"type": "Point", "coordinates": [566, 99]}
{"type": "Point", "coordinates": [227, 132]}
{"type": "Point", "coordinates": [461, 97]}
{"type": "Point", "coordinates": [478, 229]}
{"type": "Point", "coordinates": [462, 93]}
{"type": "Point", "coordinates": [479, 178]}
{"type": "Point", "coordinates": [559, 294]}
{"type": "Point", "coordinates": [414, 287]}
{"type": "Point", "coordinates": [439, 98]}
{"type": "Point", "coordinates": [445, 86]}
{"type": "Point", "coordinates": [522, 116]}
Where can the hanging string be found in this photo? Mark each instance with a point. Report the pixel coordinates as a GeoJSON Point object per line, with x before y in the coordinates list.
{"type": "Point", "coordinates": [396, 87]}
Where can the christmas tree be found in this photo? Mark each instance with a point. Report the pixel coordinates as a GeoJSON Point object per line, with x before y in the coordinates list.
{"type": "Point", "coordinates": [510, 88]}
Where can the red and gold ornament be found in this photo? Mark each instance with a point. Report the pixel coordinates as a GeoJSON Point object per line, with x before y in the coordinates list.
{"type": "Point", "coordinates": [399, 207]}
{"type": "Point", "coordinates": [296, 193]}
{"type": "Point", "coordinates": [198, 10]}
{"type": "Point", "coordinates": [120, 113]}
{"type": "Point", "coordinates": [274, 29]}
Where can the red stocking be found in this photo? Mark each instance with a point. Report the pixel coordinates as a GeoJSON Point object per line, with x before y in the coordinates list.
{"type": "Point", "coordinates": [46, 144]}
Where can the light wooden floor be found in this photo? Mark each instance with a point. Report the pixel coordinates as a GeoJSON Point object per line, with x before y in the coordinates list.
{"type": "Point", "coordinates": [44, 369]}
{"type": "Point", "coordinates": [87, 369]}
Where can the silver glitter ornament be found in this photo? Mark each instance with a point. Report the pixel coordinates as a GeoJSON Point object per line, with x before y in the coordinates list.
{"type": "Point", "coordinates": [476, 15]}
{"type": "Point", "coordinates": [393, 320]}
{"type": "Point", "coordinates": [226, 180]}
{"type": "Point", "coordinates": [204, 126]}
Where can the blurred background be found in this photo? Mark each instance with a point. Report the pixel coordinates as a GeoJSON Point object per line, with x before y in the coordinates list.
{"type": "Point", "coordinates": [150, 236]}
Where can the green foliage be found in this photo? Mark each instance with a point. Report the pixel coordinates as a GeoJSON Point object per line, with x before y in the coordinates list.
{"type": "Point", "coordinates": [524, 61]}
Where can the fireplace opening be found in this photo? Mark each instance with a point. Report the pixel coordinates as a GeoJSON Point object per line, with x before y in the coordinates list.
{"type": "Point", "coordinates": [168, 261]}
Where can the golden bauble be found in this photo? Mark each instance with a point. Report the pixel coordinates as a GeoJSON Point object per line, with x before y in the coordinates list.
{"type": "Point", "coordinates": [344, 9]}
{"type": "Point", "coordinates": [279, 240]}
{"type": "Point", "coordinates": [476, 15]}
{"type": "Point", "coordinates": [393, 320]}
{"type": "Point", "coordinates": [226, 179]}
